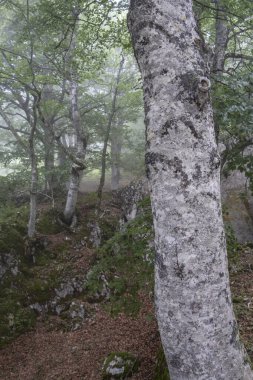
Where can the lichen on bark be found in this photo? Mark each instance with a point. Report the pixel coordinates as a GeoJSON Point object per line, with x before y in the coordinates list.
{"type": "Point", "coordinates": [193, 301]}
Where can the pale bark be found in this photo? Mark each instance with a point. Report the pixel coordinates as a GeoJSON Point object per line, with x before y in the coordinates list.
{"type": "Point", "coordinates": [78, 165]}
{"type": "Point", "coordinates": [193, 300]}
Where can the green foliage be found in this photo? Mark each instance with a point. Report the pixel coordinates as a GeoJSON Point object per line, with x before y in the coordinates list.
{"type": "Point", "coordinates": [22, 283]}
{"type": "Point", "coordinates": [14, 320]}
{"type": "Point", "coordinates": [12, 229]}
{"type": "Point", "coordinates": [233, 247]}
{"type": "Point", "coordinates": [48, 223]}
{"type": "Point", "coordinates": [232, 88]}
{"type": "Point", "coordinates": [132, 160]}
{"type": "Point", "coordinates": [12, 185]}
{"type": "Point", "coordinates": [233, 112]}
{"type": "Point", "coordinates": [161, 369]}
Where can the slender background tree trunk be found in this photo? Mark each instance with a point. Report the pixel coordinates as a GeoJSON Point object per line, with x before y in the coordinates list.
{"type": "Point", "coordinates": [194, 308]}
{"type": "Point", "coordinates": [116, 146]}
{"type": "Point", "coordinates": [33, 197]}
{"type": "Point", "coordinates": [78, 165]}
{"type": "Point", "coordinates": [34, 174]}
{"type": "Point", "coordinates": [49, 165]}
{"type": "Point", "coordinates": [108, 131]}
{"type": "Point", "coordinates": [221, 39]}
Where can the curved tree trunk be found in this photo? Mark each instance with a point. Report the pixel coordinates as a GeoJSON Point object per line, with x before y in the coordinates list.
{"type": "Point", "coordinates": [194, 308]}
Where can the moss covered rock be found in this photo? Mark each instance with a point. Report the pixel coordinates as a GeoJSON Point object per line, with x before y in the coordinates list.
{"type": "Point", "coordinates": [124, 266]}
{"type": "Point", "coordinates": [119, 365]}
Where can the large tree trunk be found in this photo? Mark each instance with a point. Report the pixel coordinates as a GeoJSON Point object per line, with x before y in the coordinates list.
{"type": "Point", "coordinates": [194, 309]}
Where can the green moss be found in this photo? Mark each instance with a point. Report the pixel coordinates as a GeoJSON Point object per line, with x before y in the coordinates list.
{"type": "Point", "coordinates": [126, 262]}
{"type": "Point", "coordinates": [145, 203]}
{"type": "Point", "coordinates": [11, 239]}
{"type": "Point", "coordinates": [39, 290]}
{"type": "Point", "coordinates": [48, 223]}
{"type": "Point", "coordinates": [233, 247]}
{"type": "Point", "coordinates": [237, 299]}
{"type": "Point", "coordinates": [15, 319]}
{"type": "Point", "coordinates": [161, 369]}
{"type": "Point", "coordinates": [13, 226]}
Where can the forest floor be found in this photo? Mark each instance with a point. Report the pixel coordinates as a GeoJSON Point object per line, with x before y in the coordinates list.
{"type": "Point", "coordinates": [48, 352]}
{"type": "Point", "coordinates": [51, 350]}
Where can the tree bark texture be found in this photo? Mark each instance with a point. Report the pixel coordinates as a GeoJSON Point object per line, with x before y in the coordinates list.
{"type": "Point", "coordinates": [78, 164]}
{"type": "Point", "coordinates": [193, 300]}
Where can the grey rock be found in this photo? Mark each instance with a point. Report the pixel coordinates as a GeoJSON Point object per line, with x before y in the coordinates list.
{"type": "Point", "coordinates": [129, 197]}
{"type": "Point", "coordinates": [40, 309]}
{"type": "Point", "coordinates": [8, 262]}
{"type": "Point", "coordinates": [119, 366]}
{"type": "Point", "coordinates": [238, 205]}
{"type": "Point", "coordinates": [95, 234]}
{"type": "Point", "coordinates": [65, 290]}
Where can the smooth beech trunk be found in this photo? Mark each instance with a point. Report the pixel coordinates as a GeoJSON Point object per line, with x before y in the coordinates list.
{"type": "Point", "coordinates": [78, 163]}
{"type": "Point", "coordinates": [193, 300]}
